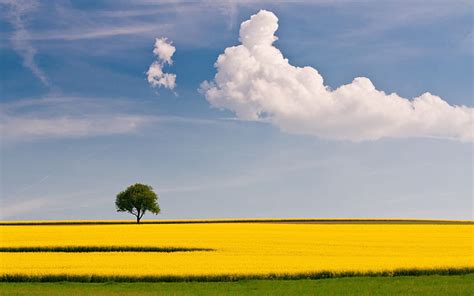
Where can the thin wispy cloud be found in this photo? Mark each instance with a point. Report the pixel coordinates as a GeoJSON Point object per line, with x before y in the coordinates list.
{"type": "Point", "coordinates": [374, 24]}
{"type": "Point", "coordinates": [140, 20]}
{"type": "Point", "coordinates": [17, 12]}
{"type": "Point", "coordinates": [31, 128]}
{"type": "Point", "coordinates": [32, 185]}
{"type": "Point", "coordinates": [76, 117]}
{"type": "Point", "coordinates": [95, 33]}
{"type": "Point", "coordinates": [18, 205]}
{"type": "Point", "coordinates": [65, 117]}
{"type": "Point", "coordinates": [23, 207]}
{"type": "Point", "coordinates": [256, 82]}
{"type": "Point", "coordinates": [169, 17]}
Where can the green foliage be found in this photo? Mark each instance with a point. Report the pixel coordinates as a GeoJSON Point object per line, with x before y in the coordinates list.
{"type": "Point", "coordinates": [137, 199]}
{"type": "Point", "coordinates": [231, 277]}
{"type": "Point", "coordinates": [86, 249]}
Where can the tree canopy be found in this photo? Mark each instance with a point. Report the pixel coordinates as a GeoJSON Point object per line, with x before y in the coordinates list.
{"type": "Point", "coordinates": [137, 199]}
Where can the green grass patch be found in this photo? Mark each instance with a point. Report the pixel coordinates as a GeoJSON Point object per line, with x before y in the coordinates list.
{"type": "Point", "coordinates": [229, 277]}
{"type": "Point", "coordinates": [405, 285]}
{"type": "Point", "coordinates": [86, 249]}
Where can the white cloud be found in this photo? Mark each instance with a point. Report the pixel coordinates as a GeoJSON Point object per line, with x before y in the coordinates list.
{"type": "Point", "coordinates": [14, 129]}
{"type": "Point", "coordinates": [256, 82]}
{"type": "Point", "coordinates": [56, 117]}
{"type": "Point", "coordinates": [23, 207]}
{"type": "Point", "coordinates": [92, 33]}
{"type": "Point", "coordinates": [66, 117]}
{"type": "Point", "coordinates": [15, 16]}
{"type": "Point", "coordinates": [163, 51]}
{"type": "Point", "coordinates": [156, 77]}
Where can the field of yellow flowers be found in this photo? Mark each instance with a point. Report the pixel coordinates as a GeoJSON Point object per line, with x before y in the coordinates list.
{"type": "Point", "coordinates": [231, 250]}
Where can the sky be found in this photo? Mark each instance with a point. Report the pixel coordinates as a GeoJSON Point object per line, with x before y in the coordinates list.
{"type": "Point", "coordinates": [237, 108]}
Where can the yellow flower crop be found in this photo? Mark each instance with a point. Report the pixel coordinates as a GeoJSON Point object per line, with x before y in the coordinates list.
{"type": "Point", "coordinates": [239, 248]}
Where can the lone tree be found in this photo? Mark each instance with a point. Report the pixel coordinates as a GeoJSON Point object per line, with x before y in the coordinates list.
{"type": "Point", "coordinates": [136, 200]}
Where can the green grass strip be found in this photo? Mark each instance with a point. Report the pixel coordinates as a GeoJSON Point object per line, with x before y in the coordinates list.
{"type": "Point", "coordinates": [86, 249]}
{"type": "Point", "coordinates": [229, 277]}
{"type": "Point", "coordinates": [432, 285]}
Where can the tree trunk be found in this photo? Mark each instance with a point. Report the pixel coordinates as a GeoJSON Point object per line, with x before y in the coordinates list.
{"type": "Point", "coordinates": [138, 220]}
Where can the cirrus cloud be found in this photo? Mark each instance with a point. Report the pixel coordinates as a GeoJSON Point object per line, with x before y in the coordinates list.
{"type": "Point", "coordinates": [256, 82]}
{"type": "Point", "coordinates": [17, 12]}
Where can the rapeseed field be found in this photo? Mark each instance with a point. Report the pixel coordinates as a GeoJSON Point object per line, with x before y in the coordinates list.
{"type": "Point", "coordinates": [232, 250]}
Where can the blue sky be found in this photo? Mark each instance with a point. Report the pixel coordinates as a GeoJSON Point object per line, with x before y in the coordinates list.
{"type": "Point", "coordinates": [80, 122]}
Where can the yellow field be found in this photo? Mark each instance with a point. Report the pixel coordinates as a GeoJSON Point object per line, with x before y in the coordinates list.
{"type": "Point", "coordinates": [240, 248]}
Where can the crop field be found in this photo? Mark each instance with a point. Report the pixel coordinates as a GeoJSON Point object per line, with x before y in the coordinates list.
{"type": "Point", "coordinates": [230, 251]}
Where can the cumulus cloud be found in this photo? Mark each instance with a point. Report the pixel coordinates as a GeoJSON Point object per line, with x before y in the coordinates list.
{"type": "Point", "coordinates": [256, 82]}
{"type": "Point", "coordinates": [163, 51]}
